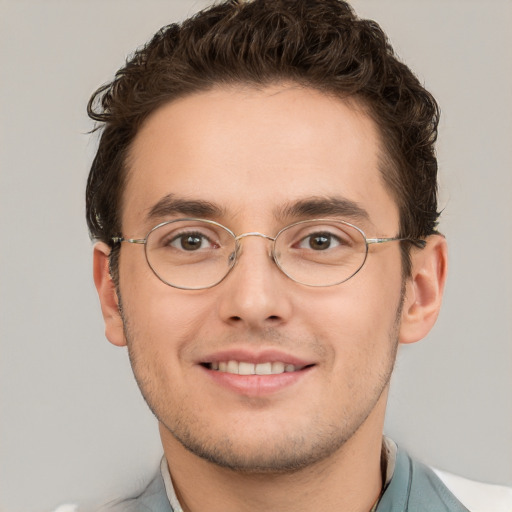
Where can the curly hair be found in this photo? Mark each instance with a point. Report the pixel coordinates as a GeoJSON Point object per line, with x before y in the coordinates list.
{"type": "Point", "coordinates": [319, 44]}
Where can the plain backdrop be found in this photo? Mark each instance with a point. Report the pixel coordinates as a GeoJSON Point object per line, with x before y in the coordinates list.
{"type": "Point", "coordinates": [73, 426]}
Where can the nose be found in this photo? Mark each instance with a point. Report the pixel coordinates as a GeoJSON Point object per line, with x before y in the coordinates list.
{"type": "Point", "coordinates": [255, 293]}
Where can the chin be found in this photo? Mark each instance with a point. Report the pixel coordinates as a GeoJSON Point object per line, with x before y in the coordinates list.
{"type": "Point", "coordinates": [263, 451]}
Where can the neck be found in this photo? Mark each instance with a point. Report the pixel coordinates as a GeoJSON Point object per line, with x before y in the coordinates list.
{"type": "Point", "coordinates": [349, 479]}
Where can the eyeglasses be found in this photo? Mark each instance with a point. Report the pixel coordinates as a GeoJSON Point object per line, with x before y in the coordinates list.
{"type": "Point", "coordinates": [194, 254]}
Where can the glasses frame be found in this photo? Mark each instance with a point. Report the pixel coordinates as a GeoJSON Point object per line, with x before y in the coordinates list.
{"type": "Point", "coordinates": [236, 253]}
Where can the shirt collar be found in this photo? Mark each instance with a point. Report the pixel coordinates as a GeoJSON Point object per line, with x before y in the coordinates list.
{"type": "Point", "coordinates": [169, 488]}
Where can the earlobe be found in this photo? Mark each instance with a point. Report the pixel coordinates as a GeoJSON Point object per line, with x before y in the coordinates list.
{"type": "Point", "coordinates": [108, 296]}
{"type": "Point", "coordinates": [424, 289]}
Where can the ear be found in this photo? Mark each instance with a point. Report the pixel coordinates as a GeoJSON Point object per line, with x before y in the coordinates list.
{"type": "Point", "coordinates": [108, 296]}
{"type": "Point", "coordinates": [424, 289]}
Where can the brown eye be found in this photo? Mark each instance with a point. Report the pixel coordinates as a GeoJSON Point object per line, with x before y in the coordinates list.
{"type": "Point", "coordinates": [320, 242]}
{"type": "Point", "coordinates": [190, 242]}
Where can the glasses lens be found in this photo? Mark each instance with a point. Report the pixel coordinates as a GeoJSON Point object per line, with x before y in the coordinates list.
{"type": "Point", "coordinates": [320, 253]}
{"type": "Point", "coordinates": [190, 254]}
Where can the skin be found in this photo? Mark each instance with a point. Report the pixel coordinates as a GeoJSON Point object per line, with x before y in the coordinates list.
{"type": "Point", "coordinates": [252, 153]}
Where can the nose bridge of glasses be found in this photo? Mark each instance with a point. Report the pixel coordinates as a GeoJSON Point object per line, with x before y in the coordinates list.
{"type": "Point", "coordinates": [254, 233]}
{"type": "Point", "coordinates": [238, 239]}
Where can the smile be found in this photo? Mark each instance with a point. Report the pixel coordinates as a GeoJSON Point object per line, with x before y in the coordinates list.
{"type": "Point", "coordinates": [245, 368]}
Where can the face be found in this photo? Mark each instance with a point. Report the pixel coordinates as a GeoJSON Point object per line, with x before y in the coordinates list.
{"type": "Point", "coordinates": [246, 158]}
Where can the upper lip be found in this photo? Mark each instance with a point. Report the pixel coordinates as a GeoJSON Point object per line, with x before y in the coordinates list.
{"type": "Point", "coordinates": [255, 357]}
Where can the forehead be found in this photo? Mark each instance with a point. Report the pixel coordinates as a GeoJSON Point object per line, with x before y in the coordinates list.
{"type": "Point", "coordinates": [253, 152]}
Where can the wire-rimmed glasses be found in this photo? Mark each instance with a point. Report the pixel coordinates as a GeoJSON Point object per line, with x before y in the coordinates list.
{"type": "Point", "coordinates": [194, 254]}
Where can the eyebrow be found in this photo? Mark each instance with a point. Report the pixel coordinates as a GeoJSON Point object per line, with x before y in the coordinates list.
{"type": "Point", "coordinates": [170, 205]}
{"type": "Point", "coordinates": [311, 207]}
{"type": "Point", "coordinates": [323, 206]}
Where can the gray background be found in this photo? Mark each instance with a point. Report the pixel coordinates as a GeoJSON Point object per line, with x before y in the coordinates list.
{"type": "Point", "coordinates": [72, 424]}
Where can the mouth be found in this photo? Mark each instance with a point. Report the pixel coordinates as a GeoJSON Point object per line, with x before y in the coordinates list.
{"type": "Point", "coordinates": [246, 368]}
{"type": "Point", "coordinates": [256, 373]}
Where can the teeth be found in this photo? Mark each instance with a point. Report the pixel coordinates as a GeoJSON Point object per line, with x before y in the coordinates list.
{"type": "Point", "coordinates": [243, 368]}
{"type": "Point", "coordinates": [277, 368]}
{"type": "Point", "coordinates": [262, 368]}
{"type": "Point", "coordinates": [233, 367]}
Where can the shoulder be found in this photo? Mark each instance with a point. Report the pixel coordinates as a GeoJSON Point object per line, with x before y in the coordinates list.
{"type": "Point", "coordinates": [152, 498]}
{"type": "Point", "coordinates": [477, 496]}
{"type": "Point", "coordinates": [417, 487]}
{"type": "Point", "coordinates": [149, 495]}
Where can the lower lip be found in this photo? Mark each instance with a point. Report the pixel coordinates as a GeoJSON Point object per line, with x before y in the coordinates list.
{"type": "Point", "coordinates": [257, 385]}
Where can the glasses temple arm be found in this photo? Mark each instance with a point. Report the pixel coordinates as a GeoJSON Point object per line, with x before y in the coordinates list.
{"type": "Point", "coordinates": [418, 243]}
{"type": "Point", "coordinates": [119, 239]}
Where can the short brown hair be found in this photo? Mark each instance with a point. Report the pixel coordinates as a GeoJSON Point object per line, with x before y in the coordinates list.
{"type": "Point", "coordinates": [320, 44]}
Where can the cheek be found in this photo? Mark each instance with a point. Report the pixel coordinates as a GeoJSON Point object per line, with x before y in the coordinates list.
{"type": "Point", "coordinates": [161, 318]}
{"type": "Point", "coordinates": [357, 320]}
{"type": "Point", "coordinates": [162, 327]}
{"type": "Point", "coordinates": [167, 320]}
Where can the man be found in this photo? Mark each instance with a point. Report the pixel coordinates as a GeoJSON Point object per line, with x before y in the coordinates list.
{"type": "Point", "coordinates": [264, 200]}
